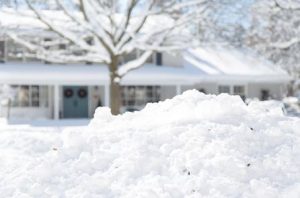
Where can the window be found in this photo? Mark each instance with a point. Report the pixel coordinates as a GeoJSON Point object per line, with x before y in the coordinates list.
{"type": "Point", "coordinates": [239, 90]}
{"type": "Point", "coordinates": [234, 90]}
{"type": "Point", "coordinates": [35, 96]}
{"type": "Point", "coordinates": [2, 51]}
{"type": "Point", "coordinates": [30, 96]}
{"type": "Point", "coordinates": [224, 89]}
{"type": "Point", "coordinates": [23, 96]}
{"type": "Point", "coordinates": [136, 97]}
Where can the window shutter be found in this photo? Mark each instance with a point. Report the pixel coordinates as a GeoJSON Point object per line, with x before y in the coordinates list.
{"type": "Point", "coordinates": [2, 51]}
{"type": "Point", "coordinates": [159, 58]}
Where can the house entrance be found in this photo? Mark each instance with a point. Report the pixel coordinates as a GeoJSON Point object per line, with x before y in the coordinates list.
{"type": "Point", "coordinates": [75, 102]}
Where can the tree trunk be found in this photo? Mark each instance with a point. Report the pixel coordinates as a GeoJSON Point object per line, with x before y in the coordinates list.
{"type": "Point", "coordinates": [115, 88]}
{"type": "Point", "coordinates": [115, 97]}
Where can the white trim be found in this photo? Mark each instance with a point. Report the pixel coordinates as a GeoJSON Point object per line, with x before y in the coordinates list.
{"type": "Point", "coordinates": [78, 75]}
{"type": "Point", "coordinates": [56, 102]}
{"type": "Point", "coordinates": [50, 101]}
{"type": "Point", "coordinates": [90, 107]}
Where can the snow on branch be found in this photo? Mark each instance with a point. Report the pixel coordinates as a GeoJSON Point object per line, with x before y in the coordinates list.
{"type": "Point", "coordinates": [135, 64]}
{"type": "Point", "coordinates": [105, 30]}
{"type": "Point", "coordinates": [287, 44]}
{"type": "Point", "coordinates": [288, 4]}
{"type": "Point", "coordinates": [30, 46]}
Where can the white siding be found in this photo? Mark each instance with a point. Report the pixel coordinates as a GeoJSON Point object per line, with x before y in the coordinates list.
{"type": "Point", "coordinates": [27, 113]}
{"type": "Point", "coordinates": [172, 60]}
{"type": "Point", "coordinates": [168, 92]}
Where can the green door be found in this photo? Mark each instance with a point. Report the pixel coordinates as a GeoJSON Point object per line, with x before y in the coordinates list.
{"type": "Point", "coordinates": [75, 102]}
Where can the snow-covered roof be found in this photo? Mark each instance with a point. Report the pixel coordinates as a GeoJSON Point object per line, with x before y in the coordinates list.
{"type": "Point", "coordinates": [199, 66]}
{"type": "Point", "coordinates": [39, 73]}
{"type": "Point", "coordinates": [231, 64]}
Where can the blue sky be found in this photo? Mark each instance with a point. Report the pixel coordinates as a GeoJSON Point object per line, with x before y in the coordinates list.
{"type": "Point", "coordinates": [236, 12]}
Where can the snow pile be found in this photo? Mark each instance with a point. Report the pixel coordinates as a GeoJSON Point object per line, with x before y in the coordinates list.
{"type": "Point", "coordinates": [292, 106]}
{"type": "Point", "coordinates": [194, 145]}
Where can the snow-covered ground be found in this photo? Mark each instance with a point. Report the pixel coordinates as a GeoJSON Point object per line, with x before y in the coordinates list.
{"type": "Point", "coordinates": [194, 145]}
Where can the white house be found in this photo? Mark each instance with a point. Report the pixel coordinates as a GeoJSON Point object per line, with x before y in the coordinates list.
{"type": "Point", "coordinates": [237, 72]}
{"type": "Point", "coordinates": [53, 91]}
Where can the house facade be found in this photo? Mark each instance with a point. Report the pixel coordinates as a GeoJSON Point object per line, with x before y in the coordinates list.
{"type": "Point", "coordinates": [64, 91]}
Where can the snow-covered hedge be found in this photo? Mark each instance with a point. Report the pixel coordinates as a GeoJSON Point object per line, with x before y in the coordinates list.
{"type": "Point", "coordinates": [194, 145]}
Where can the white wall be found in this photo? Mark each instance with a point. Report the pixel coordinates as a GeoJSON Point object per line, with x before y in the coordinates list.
{"type": "Point", "coordinates": [167, 92]}
{"type": "Point", "coordinates": [174, 60]}
{"type": "Point", "coordinates": [27, 113]}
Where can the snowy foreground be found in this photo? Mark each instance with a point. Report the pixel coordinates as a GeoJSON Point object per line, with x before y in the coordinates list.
{"type": "Point", "coordinates": [191, 146]}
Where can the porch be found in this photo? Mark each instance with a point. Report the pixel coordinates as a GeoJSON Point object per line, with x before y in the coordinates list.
{"type": "Point", "coordinates": [75, 91]}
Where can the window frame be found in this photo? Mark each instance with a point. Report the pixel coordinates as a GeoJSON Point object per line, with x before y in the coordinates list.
{"type": "Point", "coordinates": [136, 97]}
{"type": "Point", "coordinates": [43, 100]}
{"type": "Point", "coordinates": [232, 87]}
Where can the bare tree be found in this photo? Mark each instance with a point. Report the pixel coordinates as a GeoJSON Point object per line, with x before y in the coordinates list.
{"type": "Point", "coordinates": [269, 27]}
{"type": "Point", "coordinates": [107, 30]}
{"type": "Point", "coordinates": [226, 23]}
{"type": "Point", "coordinates": [274, 32]}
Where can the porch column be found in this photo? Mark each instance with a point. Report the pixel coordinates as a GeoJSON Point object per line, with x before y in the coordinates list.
{"type": "Point", "coordinates": [56, 102]}
{"type": "Point", "coordinates": [178, 89]}
{"type": "Point", "coordinates": [106, 95]}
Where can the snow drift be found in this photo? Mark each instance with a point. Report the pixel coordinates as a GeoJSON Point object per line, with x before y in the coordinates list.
{"type": "Point", "coordinates": [193, 145]}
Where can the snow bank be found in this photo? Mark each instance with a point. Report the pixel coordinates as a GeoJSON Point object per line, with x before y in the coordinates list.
{"type": "Point", "coordinates": [194, 145]}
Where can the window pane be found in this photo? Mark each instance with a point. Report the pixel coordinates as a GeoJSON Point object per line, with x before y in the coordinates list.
{"type": "Point", "coordinates": [131, 96]}
{"type": "Point", "coordinates": [23, 96]}
{"type": "Point", "coordinates": [237, 90]}
{"type": "Point", "coordinates": [15, 101]}
{"type": "Point", "coordinates": [136, 97]}
{"type": "Point", "coordinates": [149, 92]}
{"type": "Point", "coordinates": [35, 96]}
